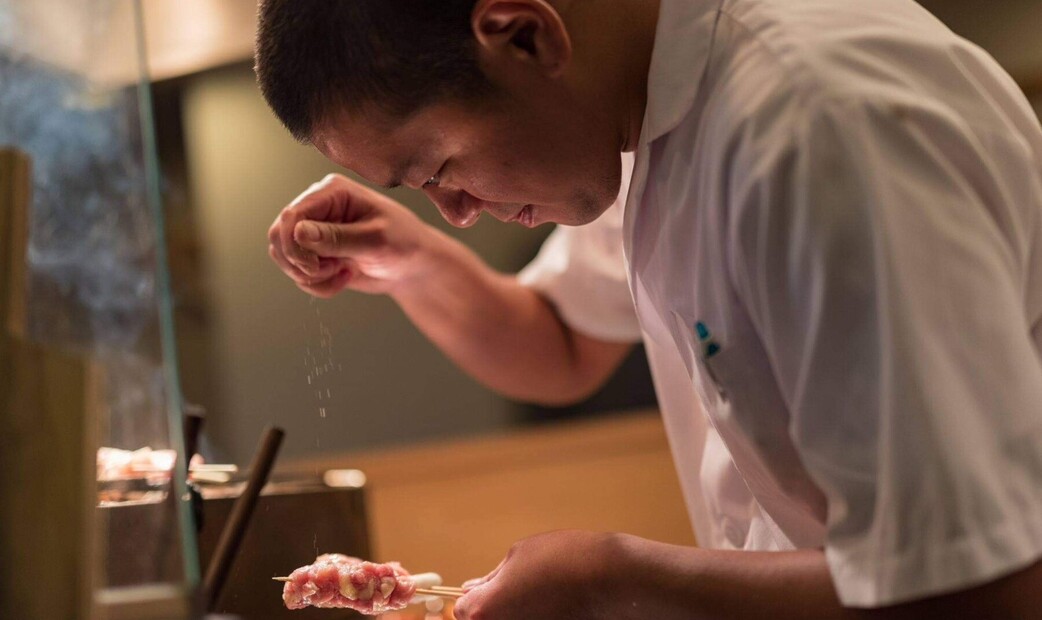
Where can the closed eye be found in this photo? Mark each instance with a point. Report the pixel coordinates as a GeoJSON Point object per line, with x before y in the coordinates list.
{"type": "Point", "coordinates": [435, 180]}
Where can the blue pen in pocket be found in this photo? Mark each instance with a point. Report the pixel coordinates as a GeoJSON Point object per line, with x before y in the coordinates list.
{"type": "Point", "coordinates": [710, 348]}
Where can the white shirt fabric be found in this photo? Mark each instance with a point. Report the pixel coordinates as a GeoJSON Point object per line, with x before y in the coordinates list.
{"type": "Point", "coordinates": [848, 197]}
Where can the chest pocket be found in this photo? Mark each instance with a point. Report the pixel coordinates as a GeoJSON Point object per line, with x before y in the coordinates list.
{"type": "Point", "coordinates": [733, 376]}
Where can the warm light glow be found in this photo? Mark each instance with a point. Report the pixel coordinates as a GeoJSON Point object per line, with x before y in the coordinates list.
{"type": "Point", "coordinates": [186, 36]}
{"type": "Point", "coordinates": [344, 478]}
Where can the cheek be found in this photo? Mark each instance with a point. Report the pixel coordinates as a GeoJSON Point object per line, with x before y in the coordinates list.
{"type": "Point", "coordinates": [529, 167]}
{"type": "Point", "coordinates": [509, 178]}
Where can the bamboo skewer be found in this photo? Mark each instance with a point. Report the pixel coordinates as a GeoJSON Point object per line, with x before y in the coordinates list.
{"type": "Point", "coordinates": [439, 593]}
{"type": "Point", "coordinates": [448, 589]}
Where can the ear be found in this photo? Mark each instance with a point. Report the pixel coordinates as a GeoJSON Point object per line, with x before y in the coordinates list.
{"type": "Point", "coordinates": [529, 31]}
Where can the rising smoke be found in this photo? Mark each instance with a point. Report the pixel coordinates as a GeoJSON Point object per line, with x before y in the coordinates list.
{"type": "Point", "coordinates": [91, 259]}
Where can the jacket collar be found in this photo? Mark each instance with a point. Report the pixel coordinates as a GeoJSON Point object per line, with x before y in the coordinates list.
{"type": "Point", "coordinates": [683, 41]}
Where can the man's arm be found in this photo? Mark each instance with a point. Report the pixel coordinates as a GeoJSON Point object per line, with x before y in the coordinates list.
{"type": "Point", "coordinates": [588, 576]}
{"type": "Point", "coordinates": [794, 584]}
{"type": "Point", "coordinates": [341, 235]}
{"type": "Point", "coordinates": [504, 334]}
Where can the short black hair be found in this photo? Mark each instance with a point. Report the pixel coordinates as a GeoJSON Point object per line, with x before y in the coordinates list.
{"type": "Point", "coordinates": [317, 57]}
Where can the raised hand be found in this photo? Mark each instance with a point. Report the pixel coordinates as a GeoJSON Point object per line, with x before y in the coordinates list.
{"type": "Point", "coordinates": [339, 234]}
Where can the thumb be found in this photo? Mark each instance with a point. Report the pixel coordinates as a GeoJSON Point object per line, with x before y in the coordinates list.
{"type": "Point", "coordinates": [470, 584]}
{"type": "Point", "coordinates": [324, 238]}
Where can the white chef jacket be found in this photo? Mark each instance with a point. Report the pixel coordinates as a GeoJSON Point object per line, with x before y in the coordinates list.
{"type": "Point", "coordinates": [833, 243]}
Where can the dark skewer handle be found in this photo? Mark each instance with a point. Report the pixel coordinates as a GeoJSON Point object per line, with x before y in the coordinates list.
{"type": "Point", "coordinates": [193, 426]}
{"type": "Point", "coordinates": [232, 534]}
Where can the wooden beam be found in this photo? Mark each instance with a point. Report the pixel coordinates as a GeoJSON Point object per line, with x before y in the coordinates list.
{"type": "Point", "coordinates": [46, 453]}
{"type": "Point", "coordinates": [14, 238]}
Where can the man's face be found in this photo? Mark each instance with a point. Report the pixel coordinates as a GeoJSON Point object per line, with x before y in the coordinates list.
{"type": "Point", "coordinates": [530, 161]}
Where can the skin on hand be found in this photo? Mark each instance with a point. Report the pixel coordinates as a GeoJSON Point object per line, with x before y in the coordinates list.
{"type": "Point", "coordinates": [339, 235]}
{"type": "Point", "coordinates": [555, 575]}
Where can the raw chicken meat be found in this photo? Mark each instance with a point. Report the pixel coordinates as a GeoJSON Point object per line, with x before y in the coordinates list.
{"type": "Point", "coordinates": [116, 464]}
{"type": "Point", "coordinates": [340, 581]}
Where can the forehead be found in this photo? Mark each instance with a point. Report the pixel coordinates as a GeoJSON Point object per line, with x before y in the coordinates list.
{"type": "Point", "coordinates": [378, 146]}
{"type": "Point", "coordinates": [366, 143]}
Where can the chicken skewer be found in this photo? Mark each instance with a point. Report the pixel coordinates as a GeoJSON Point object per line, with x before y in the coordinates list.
{"type": "Point", "coordinates": [343, 582]}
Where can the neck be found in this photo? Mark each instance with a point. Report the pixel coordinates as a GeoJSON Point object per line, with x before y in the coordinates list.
{"type": "Point", "coordinates": [620, 37]}
{"type": "Point", "coordinates": [636, 73]}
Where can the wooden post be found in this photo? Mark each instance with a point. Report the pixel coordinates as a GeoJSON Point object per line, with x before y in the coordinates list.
{"type": "Point", "coordinates": [46, 463]}
{"type": "Point", "coordinates": [14, 235]}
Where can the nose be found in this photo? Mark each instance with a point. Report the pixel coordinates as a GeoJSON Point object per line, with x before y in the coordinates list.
{"type": "Point", "coordinates": [454, 206]}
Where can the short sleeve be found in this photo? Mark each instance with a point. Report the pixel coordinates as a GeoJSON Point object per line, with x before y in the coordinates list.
{"type": "Point", "coordinates": [879, 257]}
{"type": "Point", "coordinates": [582, 272]}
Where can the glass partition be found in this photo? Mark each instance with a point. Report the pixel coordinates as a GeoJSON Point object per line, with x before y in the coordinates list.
{"type": "Point", "coordinates": [74, 99]}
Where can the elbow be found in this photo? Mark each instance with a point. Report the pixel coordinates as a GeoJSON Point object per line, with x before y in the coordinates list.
{"type": "Point", "coordinates": [564, 392]}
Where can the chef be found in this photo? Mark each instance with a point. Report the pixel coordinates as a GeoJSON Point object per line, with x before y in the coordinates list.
{"type": "Point", "coordinates": [830, 245]}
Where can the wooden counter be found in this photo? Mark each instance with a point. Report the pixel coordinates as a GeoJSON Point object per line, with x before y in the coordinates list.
{"type": "Point", "coordinates": [456, 507]}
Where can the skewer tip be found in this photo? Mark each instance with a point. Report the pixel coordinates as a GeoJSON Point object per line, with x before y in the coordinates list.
{"type": "Point", "coordinates": [280, 578]}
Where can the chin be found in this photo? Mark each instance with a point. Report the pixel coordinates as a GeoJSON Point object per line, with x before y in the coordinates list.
{"type": "Point", "coordinates": [584, 208]}
{"type": "Point", "coordinates": [597, 197]}
{"type": "Point", "coordinates": [588, 209]}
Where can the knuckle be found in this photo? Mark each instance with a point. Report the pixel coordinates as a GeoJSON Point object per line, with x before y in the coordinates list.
{"type": "Point", "coordinates": [375, 236]}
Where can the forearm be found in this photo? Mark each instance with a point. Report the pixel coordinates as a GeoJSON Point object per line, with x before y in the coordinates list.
{"type": "Point", "coordinates": [664, 582]}
{"type": "Point", "coordinates": [501, 333]}
{"type": "Point", "coordinates": [668, 581]}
